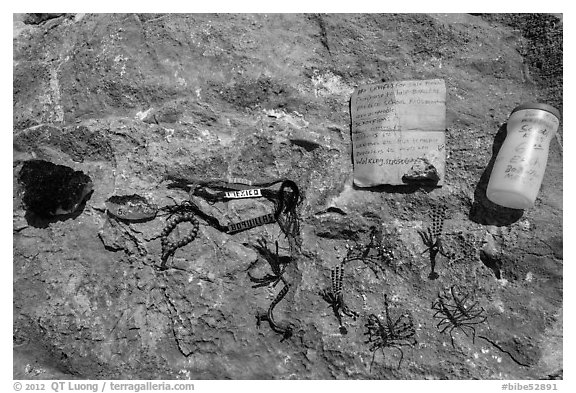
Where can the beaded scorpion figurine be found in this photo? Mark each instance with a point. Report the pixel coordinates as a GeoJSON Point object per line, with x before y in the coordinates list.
{"type": "Point", "coordinates": [335, 299]}
{"type": "Point", "coordinates": [455, 313]}
{"type": "Point", "coordinates": [432, 238]}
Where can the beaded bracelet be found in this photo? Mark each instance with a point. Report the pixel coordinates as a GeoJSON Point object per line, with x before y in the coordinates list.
{"type": "Point", "coordinates": [169, 247]}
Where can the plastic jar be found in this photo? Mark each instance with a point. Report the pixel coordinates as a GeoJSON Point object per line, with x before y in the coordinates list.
{"type": "Point", "coordinates": [519, 168]}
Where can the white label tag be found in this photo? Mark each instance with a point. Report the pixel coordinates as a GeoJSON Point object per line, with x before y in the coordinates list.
{"type": "Point", "coordinates": [251, 223]}
{"type": "Point", "coordinates": [254, 193]}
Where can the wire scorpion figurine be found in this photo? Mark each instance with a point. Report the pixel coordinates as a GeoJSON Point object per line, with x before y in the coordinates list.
{"type": "Point", "coordinates": [335, 299]}
{"type": "Point", "coordinates": [390, 334]}
{"type": "Point", "coordinates": [454, 313]}
{"type": "Point", "coordinates": [432, 238]}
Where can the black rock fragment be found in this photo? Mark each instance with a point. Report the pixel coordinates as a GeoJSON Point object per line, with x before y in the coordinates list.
{"type": "Point", "coordinates": [422, 171]}
{"type": "Point", "coordinates": [51, 189]}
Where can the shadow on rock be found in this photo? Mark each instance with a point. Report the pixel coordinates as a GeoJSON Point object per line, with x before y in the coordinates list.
{"type": "Point", "coordinates": [52, 192]}
{"type": "Point", "coordinates": [493, 262]}
{"type": "Point", "coordinates": [399, 189]}
{"type": "Point", "coordinates": [483, 210]}
{"type": "Point", "coordinates": [42, 222]}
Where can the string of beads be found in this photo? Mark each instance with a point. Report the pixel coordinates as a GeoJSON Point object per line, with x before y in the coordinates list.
{"type": "Point", "coordinates": [168, 246]}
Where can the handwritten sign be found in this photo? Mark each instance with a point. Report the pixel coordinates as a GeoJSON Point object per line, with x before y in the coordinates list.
{"type": "Point", "coordinates": [398, 132]}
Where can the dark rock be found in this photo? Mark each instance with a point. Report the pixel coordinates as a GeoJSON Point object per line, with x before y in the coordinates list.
{"type": "Point", "coordinates": [53, 190]}
{"type": "Point", "coordinates": [422, 171]}
{"type": "Point", "coordinates": [492, 261]}
{"type": "Point", "coordinates": [133, 98]}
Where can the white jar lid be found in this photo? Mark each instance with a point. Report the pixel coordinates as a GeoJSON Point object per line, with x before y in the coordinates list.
{"type": "Point", "coordinates": [538, 105]}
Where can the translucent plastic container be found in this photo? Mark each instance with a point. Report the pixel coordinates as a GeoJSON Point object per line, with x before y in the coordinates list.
{"type": "Point", "coordinates": [519, 168]}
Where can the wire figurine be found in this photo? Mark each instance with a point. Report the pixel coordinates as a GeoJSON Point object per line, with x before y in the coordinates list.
{"type": "Point", "coordinates": [432, 238]}
{"type": "Point", "coordinates": [287, 331]}
{"type": "Point", "coordinates": [334, 297]}
{"type": "Point", "coordinates": [278, 267]}
{"type": "Point", "coordinates": [277, 264]}
{"type": "Point", "coordinates": [390, 333]}
{"type": "Point", "coordinates": [374, 254]}
{"type": "Point", "coordinates": [456, 311]}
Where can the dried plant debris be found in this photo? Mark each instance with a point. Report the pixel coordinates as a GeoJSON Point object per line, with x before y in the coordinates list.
{"type": "Point", "coordinates": [374, 254]}
{"type": "Point", "coordinates": [456, 310]}
{"type": "Point", "coordinates": [432, 238]}
{"type": "Point", "coordinates": [53, 190]}
{"type": "Point", "coordinates": [334, 297]}
{"type": "Point", "coordinates": [390, 333]}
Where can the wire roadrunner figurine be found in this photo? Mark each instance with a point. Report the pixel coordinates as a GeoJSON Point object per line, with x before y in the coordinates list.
{"type": "Point", "coordinates": [287, 331]}
{"type": "Point", "coordinates": [432, 238]}
{"type": "Point", "coordinates": [335, 299]}
{"type": "Point", "coordinates": [278, 268]}
{"type": "Point", "coordinates": [390, 334]}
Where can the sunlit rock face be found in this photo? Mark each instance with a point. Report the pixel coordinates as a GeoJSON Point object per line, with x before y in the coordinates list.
{"type": "Point", "coordinates": [134, 100]}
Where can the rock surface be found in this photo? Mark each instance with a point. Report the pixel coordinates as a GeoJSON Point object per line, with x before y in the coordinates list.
{"type": "Point", "coordinates": [129, 99]}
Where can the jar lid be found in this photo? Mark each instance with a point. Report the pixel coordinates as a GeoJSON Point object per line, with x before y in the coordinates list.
{"type": "Point", "coordinates": [538, 105]}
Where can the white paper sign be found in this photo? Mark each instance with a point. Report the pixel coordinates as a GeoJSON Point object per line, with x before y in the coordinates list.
{"type": "Point", "coordinates": [398, 133]}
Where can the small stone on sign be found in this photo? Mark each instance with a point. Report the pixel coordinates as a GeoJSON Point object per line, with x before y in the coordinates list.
{"type": "Point", "coordinates": [421, 171]}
